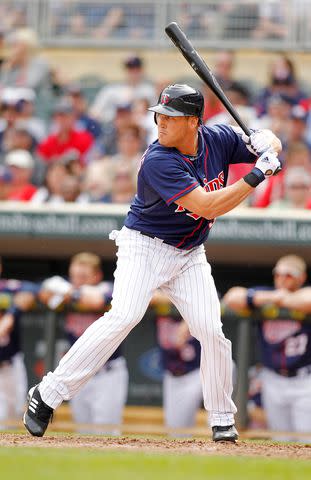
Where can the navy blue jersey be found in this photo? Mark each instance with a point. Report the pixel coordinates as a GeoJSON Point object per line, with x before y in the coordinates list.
{"type": "Point", "coordinates": [77, 320]}
{"type": "Point", "coordinates": [166, 175]}
{"type": "Point", "coordinates": [176, 360]}
{"type": "Point", "coordinates": [11, 344]}
{"type": "Point", "coordinates": [285, 338]}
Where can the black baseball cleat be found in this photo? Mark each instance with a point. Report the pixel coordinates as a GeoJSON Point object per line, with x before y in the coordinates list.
{"type": "Point", "coordinates": [38, 414]}
{"type": "Point", "coordinates": [225, 434]}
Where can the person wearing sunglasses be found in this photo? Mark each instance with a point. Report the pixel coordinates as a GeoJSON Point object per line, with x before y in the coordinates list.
{"type": "Point", "coordinates": [284, 332]}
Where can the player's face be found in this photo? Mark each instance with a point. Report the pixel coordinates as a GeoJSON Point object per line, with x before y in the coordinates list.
{"type": "Point", "coordinates": [175, 131]}
{"type": "Point", "coordinates": [82, 274]}
{"type": "Point", "coordinates": [287, 278]}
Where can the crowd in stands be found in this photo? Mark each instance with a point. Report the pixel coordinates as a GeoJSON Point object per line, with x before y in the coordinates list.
{"type": "Point", "coordinates": [59, 145]}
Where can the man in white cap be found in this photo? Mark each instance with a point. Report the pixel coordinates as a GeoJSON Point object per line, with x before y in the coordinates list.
{"type": "Point", "coordinates": [16, 179]}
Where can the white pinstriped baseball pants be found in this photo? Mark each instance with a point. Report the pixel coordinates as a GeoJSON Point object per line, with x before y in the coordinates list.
{"type": "Point", "coordinates": [145, 264]}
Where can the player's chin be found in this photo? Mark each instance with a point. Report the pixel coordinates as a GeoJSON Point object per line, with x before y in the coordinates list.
{"type": "Point", "coordinates": [163, 140]}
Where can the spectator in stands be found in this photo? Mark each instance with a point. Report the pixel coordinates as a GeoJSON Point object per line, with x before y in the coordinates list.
{"type": "Point", "coordinates": [297, 190]}
{"type": "Point", "coordinates": [130, 147]}
{"type": "Point", "coordinates": [70, 190]}
{"type": "Point", "coordinates": [23, 67]}
{"type": "Point", "coordinates": [279, 108]}
{"type": "Point", "coordinates": [123, 117]}
{"type": "Point", "coordinates": [273, 20]}
{"type": "Point", "coordinates": [17, 111]}
{"type": "Point", "coordinates": [16, 182]}
{"type": "Point", "coordinates": [79, 104]}
{"type": "Point", "coordinates": [66, 136]}
{"type": "Point", "coordinates": [240, 98]}
{"type": "Point", "coordinates": [123, 187]}
{"type": "Point", "coordinates": [15, 298]}
{"type": "Point", "coordinates": [144, 119]}
{"type": "Point", "coordinates": [100, 402]}
{"type": "Point", "coordinates": [97, 181]}
{"type": "Point", "coordinates": [285, 345]}
{"type": "Point", "coordinates": [50, 191]}
{"type": "Point", "coordinates": [282, 80]}
{"type": "Point", "coordinates": [134, 86]}
{"type": "Point", "coordinates": [224, 69]}
{"type": "Point", "coordinates": [297, 127]}
{"type": "Point", "coordinates": [297, 155]}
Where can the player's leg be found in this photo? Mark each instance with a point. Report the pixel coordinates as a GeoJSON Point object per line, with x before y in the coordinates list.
{"type": "Point", "coordinates": [107, 409]}
{"type": "Point", "coordinates": [182, 396]}
{"type": "Point", "coordinates": [276, 403]}
{"type": "Point", "coordinates": [140, 270]}
{"type": "Point", "coordinates": [194, 294]}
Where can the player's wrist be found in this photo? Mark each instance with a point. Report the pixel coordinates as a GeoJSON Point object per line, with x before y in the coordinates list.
{"type": "Point", "coordinates": [250, 298]}
{"type": "Point", "coordinates": [75, 295]}
{"type": "Point", "coordinates": [254, 177]}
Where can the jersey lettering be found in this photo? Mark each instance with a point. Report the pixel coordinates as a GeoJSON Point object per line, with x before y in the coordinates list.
{"type": "Point", "coordinates": [295, 346]}
{"type": "Point", "coordinates": [211, 186]}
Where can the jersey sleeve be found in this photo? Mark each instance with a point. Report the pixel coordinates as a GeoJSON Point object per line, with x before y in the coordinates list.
{"type": "Point", "coordinates": [168, 178]}
{"type": "Point", "coordinates": [233, 148]}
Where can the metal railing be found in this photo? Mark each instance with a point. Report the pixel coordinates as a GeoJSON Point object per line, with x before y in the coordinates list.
{"type": "Point", "coordinates": [263, 24]}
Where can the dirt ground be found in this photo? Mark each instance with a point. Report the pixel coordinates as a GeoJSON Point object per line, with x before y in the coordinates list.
{"type": "Point", "coordinates": [195, 446]}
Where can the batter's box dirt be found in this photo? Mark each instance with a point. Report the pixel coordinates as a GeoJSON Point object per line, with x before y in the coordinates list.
{"type": "Point", "coordinates": [151, 445]}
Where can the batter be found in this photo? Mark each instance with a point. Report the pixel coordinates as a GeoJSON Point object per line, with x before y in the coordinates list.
{"type": "Point", "coordinates": [181, 189]}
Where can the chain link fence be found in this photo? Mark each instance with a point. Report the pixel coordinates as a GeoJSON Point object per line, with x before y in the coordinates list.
{"type": "Point", "coordinates": [263, 24]}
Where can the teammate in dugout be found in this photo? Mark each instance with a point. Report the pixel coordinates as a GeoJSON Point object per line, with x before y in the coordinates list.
{"type": "Point", "coordinates": [82, 296]}
{"type": "Point", "coordinates": [181, 190]}
{"type": "Point", "coordinates": [285, 344]}
{"type": "Point", "coordinates": [180, 359]}
{"type": "Point", "coordinates": [15, 297]}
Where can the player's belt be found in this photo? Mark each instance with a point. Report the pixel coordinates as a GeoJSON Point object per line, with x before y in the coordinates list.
{"type": "Point", "coordinates": [298, 372]}
{"type": "Point", "coordinates": [146, 234]}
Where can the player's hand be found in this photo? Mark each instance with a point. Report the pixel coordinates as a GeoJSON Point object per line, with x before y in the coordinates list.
{"type": "Point", "coordinates": [268, 163]}
{"type": "Point", "coordinates": [262, 140]}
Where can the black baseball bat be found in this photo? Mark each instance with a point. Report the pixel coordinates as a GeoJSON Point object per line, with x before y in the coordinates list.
{"type": "Point", "coordinates": [202, 70]}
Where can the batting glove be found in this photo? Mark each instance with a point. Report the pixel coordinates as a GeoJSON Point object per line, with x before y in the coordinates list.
{"type": "Point", "coordinates": [267, 164]}
{"type": "Point", "coordinates": [262, 140]}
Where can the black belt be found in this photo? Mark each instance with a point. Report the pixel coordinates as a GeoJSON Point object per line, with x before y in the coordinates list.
{"type": "Point", "coordinates": [146, 234]}
{"type": "Point", "coordinates": [303, 371]}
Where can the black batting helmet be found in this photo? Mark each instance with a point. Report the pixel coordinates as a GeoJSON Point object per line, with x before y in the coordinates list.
{"type": "Point", "coordinates": [179, 101]}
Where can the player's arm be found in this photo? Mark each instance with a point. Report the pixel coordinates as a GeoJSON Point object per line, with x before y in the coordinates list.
{"type": "Point", "coordinates": [213, 204]}
{"type": "Point", "coordinates": [88, 297]}
{"type": "Point", "coordinates": [299, 300]}
{"type": "Point", "coordinates": [238, 298]}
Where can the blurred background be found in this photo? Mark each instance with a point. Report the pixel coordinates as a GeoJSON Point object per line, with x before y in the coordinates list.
{"type": "Point", "coordinates": [76, 80]}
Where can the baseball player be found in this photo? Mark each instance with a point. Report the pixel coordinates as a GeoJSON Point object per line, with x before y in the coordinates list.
{"type": "Point", "coordinates": [180, 191]}
{"type": "Point", "coordinates": [83, 296]}
{"type": "Point", "coordinates": [180, 358]}
{"type": "Point", "coordinates": [15, 297]}
{"type": "Point", "coordinates": [285, 344]}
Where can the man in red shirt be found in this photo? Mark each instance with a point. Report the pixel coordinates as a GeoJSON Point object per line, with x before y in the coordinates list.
{"type": "Point", "coordinates": [65, 136]}
{"type": "Point", "coordinates": [16, 182]}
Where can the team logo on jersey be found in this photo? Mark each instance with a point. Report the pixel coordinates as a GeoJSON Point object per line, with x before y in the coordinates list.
{"type": "Point", "coordinates": [275, 331]}
{"type": "Point", "coordinates": [165, 98]}
{"type": "Point", "coordinates": [209, 186]}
